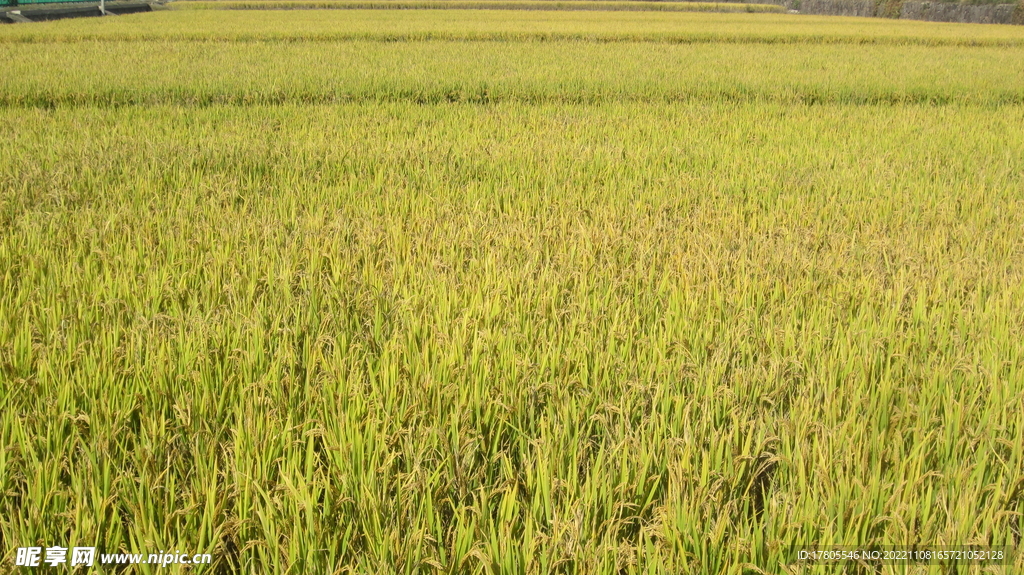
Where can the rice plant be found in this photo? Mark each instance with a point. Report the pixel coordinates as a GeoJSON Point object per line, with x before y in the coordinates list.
{"type": "Point", "coordinates": [358, 305]}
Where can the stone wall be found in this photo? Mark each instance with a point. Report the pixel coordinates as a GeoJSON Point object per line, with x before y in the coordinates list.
{"type": "Point", "coordinates": [947, 12]}
{"type": "Point", "coordinates": [915, 10]}
{"type": "Point", "coordinates": [835, 7]}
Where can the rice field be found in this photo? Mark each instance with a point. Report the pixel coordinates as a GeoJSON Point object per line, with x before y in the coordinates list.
{"type": "Point", "coordinates": [559, 5]}
{"type": "Point", "coordinates": [503, 292]}
{"type": "Point", "coordinates": [227, 27]}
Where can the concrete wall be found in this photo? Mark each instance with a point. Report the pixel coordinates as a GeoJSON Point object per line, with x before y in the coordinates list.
{"type": "Point", "coordinates": [915, 10]}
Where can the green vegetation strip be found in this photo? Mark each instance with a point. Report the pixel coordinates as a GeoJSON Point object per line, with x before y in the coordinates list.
{"type": "Point", "coordinates": [631, 5]}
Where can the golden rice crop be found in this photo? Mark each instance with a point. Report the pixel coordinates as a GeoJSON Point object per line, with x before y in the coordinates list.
{"type": "Point", "coordinates": [399, 25]}
{"type": "Point", "coordinates": [195, 73]}
{"type": "Point", "coordinates": [614, 5]}
{"type": "Point", "coordinates": [319, 306]}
